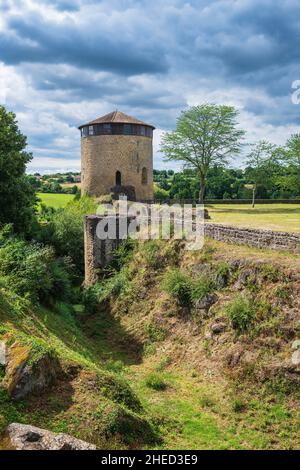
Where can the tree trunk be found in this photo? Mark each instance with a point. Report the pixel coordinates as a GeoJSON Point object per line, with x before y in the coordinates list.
{"type": "Point", "coordinates": [253, 196]}
{"type": "Point", "coordinates": [202, 190]}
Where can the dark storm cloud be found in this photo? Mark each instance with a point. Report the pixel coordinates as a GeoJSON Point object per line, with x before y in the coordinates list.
{"type": "Point", "coordinates": [36, 39]}
{"type": "Point", "coordinates": [152, 58]}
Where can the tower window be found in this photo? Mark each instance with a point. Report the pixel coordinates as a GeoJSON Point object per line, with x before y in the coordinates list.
{"type": "Point", "coordinates": [127, 129]}
{"type": "Point", "coordinates": [106, 128]}
{"type": "Point", "coordinates": [118, 178]}
{"type": "Point", "coordinates": [91, 130]}
{"type": "Point", "coordinates": [144, 176]}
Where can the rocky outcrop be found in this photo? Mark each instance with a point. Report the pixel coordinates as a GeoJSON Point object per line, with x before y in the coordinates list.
{"type": "Point", "coordinates": [29, 367]}
{"type": "Point", "coordinates": [25, 437]}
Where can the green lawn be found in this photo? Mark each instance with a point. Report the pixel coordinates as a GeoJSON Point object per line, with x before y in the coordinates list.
{"type": "Point", "coordinates": [55, 200]}
{"type": "Point", "coordinates": [280, 217]}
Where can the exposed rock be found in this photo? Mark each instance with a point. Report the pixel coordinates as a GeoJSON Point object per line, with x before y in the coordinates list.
{"type": "Point", "coordinates": [217, 328]}
{"type": "Point", "coordinates": [206, 302]}
{"type": "Point", "coordinates": [29, 369]}
{"type": "Point", "coordinates": [296, 344]}
{"type": "Point", "coordinates": [244, 278]}
{"type": "Point", "coordinates": [233, 357]}
{"type": "Point", "coordinates": [25, 437]}
{"type": "Point", "coordinates": [296, 358]}
{"type": "Point", "coordinates": [2, 353]}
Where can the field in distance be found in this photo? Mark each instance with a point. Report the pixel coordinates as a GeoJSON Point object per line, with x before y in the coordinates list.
{"type": "Point", "coordinates": [279, 217]}
{"type": "Point", "coordinates": [55, 200]}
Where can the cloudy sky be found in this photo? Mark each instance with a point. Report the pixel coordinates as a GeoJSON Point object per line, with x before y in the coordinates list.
{"type": "Point", "coordinates": [63, 62]}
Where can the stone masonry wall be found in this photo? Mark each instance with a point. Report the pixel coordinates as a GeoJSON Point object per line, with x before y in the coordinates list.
{"type": "Point", "coordinates": [254, 237]}
{"type": "Point", "coordinates": [103, 155]}
{"type": "Point", "coordinates": [99, 252]}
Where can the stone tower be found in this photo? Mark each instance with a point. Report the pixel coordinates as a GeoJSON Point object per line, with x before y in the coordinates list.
{"type": "Point", "coordinates": [117, 156]}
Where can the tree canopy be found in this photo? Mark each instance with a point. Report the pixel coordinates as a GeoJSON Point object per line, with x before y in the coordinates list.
{"type": "Point", "coordinates": [205, 135]}
{"type": "Point", "coordinates": [17, 196]}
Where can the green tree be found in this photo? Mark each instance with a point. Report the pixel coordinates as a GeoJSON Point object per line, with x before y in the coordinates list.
{"type": "Point", "coordinates": [292, 151]}
{"type": "Point", "coordinates": [205, 135]}
{"type": "Point", "coordinates": [289, 180]}
{"type": "Point", "coordinates": [17, 195]}
{"type": "Point", "coordinates": [260, 161]}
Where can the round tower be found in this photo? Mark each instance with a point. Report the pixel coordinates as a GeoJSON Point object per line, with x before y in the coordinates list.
{"type": "Point", "coordinates": [117, 156]}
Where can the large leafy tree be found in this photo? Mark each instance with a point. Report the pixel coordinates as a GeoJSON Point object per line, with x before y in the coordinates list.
{"type": "Point", "coordinates": [205, 135]}
{"type": "Point", "coordinates": [288, 179]}
{"type": "Point", "coordinates": [17, 196]}
{"type": "Point", "coordinates": [261, 162]}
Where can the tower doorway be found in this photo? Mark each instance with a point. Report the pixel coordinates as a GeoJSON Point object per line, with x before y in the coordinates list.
{"type": "Point", "coordinates": [118, 178]}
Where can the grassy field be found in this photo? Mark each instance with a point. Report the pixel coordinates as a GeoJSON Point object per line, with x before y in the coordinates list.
{"type": "Point", "coordinates": [279, 217]}
{"type": "Point", "coordinates": [55, 200]}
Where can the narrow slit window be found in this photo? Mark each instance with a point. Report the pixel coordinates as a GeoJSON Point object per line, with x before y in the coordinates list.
{"type": "Point", "coordinates": [144, 176]}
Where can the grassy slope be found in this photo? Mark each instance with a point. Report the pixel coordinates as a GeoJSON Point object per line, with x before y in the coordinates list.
{"type": "Point", "coordinates": [279, 217]}
{"type": "Point", "coordinates": [55, 200]}
{"type": "Point", "coordinates": [202, 407]}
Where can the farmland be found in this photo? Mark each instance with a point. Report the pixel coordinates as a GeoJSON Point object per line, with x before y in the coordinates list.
{"type": "Point", "coordinates": [55, 200]}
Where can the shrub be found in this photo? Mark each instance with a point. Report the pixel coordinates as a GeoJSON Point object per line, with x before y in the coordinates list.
{"type": "Point", "coordinates": [178, 285]}
{"type": "Point", "coordinates": [119, 391]}
{"type": "Point", "coordinates": [238, 406]}
{"type": "Point", "coordinates": [65, 231]}
{"type": "Point", "coordinates": [160, 194]}
{"type": "Point", "coordinates": [122, 255]}
{"type": "Point", "coordinates": [155, 332]}
{"type": "Point", "coordinates": [151, 253]}
{"type": "Point", "coordinates": [202, 287]}
{"type": "Point", "coordinates": [156, 382]}
{"type": "Point", "coordinates": [132, 428]}
{"type": "Point", "coordinates": [89, 298]}
{"type": "Point", "coordinates": [241, 313]}
{"type": "Point", "coordinates": [30, 269]}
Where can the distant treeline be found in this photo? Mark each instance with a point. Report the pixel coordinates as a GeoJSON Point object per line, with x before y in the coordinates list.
{"type": "Point", "coordinates": [227, 184]}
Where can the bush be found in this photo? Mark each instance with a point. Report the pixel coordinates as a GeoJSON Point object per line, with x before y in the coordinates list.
{"type": "Point", "coordinates": [155, 332]}
{"type": "Point", "coordinates": [156, 382]}
{"type": "Point", "coordinates": [65, 231]}
{"type": "Point", "coordinates": [178, 285]}
{"type": "Point", "coordinates": [119, 391]}
{"type": "Point", "coordinates": [132, 428]}
{"type": "Point", "coordinates": [151, 253]}
{"type": "Point", "coordinates": [89, 298]}
{"type": "Point", "coordinates": [202, 287]}
{"type": "Point", "coordinates": [160, 194]}
{"type": "Point", "coordinates": [241, 313]}
{"type": "Point", "coordinates": [30, 269]}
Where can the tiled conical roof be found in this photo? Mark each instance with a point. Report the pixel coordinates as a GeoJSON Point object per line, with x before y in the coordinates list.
{"type": "Point", "coordinates": [116, 117]}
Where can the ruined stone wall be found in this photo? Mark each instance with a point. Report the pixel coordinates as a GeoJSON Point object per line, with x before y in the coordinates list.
{"type": "Point", "coordinates": [103, 155]}
{"type": "Point", "coordinates": [254, 237]}
{"type": "Point", "coordinates": [98, 253]}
